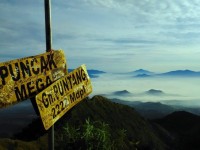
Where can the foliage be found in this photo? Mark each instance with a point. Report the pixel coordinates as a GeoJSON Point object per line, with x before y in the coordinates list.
{"type": "Point", "coordinates": [91, 135]}
{"type": "Point", "coordinates": [98, 123]}
{"type": "Point", "coordinates": [118, 117]}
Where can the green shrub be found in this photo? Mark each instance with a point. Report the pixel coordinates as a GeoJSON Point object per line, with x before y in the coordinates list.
{"type": "Point", "coordinates": [91, 135]}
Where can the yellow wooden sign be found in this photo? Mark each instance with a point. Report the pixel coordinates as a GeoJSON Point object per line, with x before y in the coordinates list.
{"type": "Point", "coordinates": [24, 78]}
{"type": "Point", "coordinates": [62, 95]}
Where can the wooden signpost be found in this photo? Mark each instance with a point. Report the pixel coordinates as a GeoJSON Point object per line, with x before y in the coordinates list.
{"type": "Point", "coordinates": [23, 78]}
{"type": "Point", "coordinates": [54, 101]}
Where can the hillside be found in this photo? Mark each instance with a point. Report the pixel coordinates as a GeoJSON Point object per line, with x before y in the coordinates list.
{"type": "Point", "coordinates": [118, 117]}
{"type": "Point", "coordinates": [152, 110]}
{"type": "Point", "coordinates": [10, 144]}
{"type": "Point", "coordinates": [98, 123]}
{"type": "Point", "coordinates": [149, 110]}
{"type": "Point", "coordinates": [185, 127]}
{"type": "Point", "coordinates": [125, 125]}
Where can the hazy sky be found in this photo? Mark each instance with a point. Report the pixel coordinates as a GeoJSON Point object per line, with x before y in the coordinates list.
{"type": "Point", "coordinates": [109, 35]}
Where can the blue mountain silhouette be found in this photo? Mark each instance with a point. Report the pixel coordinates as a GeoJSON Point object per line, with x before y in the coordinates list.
{"type": "Point", "coordinates": [154, 92]}
{"type": "Point", "coordinates": [92, 73]}
{"type": "Point", "coordinates": [122, 93]}
{"type": "Point", "coordinates": [143, 75]}
{"type": "Point", "coordinates": [141, 71]}
{"type": "Point", "coordinates": [181, 73]}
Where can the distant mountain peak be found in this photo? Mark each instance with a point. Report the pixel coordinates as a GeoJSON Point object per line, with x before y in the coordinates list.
{"type": "Point", "coordinates": [142, 71]}
{"type": "Point", "coordinates": [92, 72]}
{"type": "Point", "coordinates": [143, 75]}
{"type": "Point", "coordinates": [139, 70]}
{"type": "Point", "coordinates": [185, 72]}
{"type": "Point", "coordinates": [154, 92]}
{"type": "Point", "coordinates": [122, 93]}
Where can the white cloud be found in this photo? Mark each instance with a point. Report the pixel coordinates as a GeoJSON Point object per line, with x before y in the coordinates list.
{"type": "Point", "coordinates": [102, 31]}
{"type": "Point", "coordinates": [21, 29]}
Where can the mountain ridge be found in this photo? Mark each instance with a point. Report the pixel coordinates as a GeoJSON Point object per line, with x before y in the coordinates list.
{"type": "Point", "coordinates": [181, 73]}
{"type": "Point", "coordinates": [141, 73]}
{"type": "Point", "coordinates": [155, 92]}
{"type": "Point", "coordinates": [149, 110]}
{"type": "Point", "coordinates": [122, 93]}
{"type": "Point", "coordinates": [118, 117]}
{"type": "Point", "coordinates": [92, 72]}
{"type": "Point", "coordinates": [170, 132]}
{"type": "Point", "coordinates": [185, 127]}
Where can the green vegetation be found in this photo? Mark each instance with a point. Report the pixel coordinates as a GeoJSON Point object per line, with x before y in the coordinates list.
{"type": "Point", "coordinates": [91, 135]}
{"type": "Point", "coordinates": [95, 124]}
{"type": "Point", "coordinates": [125, 127]}
{"type": "Point", "coordinates": [9, 144]}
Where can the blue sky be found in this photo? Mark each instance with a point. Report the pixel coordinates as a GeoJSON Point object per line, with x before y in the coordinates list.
{"type": "Point", "coordinates": [109, 35]}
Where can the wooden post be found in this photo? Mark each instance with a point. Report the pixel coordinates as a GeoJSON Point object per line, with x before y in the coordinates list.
{"type": "Point", "coordinates": [48, 24]}
{"type": "Point", "coordinates": [47, 5]}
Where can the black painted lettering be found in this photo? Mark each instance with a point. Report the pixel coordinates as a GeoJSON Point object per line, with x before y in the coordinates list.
{"type": "Point", "coordinates": [51, 61]}
{"type": "Point", "coordinates": [30, 88]}
{"type": "Point", "coordinates": [39, 86]}
{"type": "Point", "coordinates": [69, 79]}
{"type": "Point", "coordinates": [45, 100]}
{"type": "Point", "coordinates": [62, 105]}
{"type": "Point", "coordinates": [14, 72]}
{"type": "Point", "coordinates": [25, 68]}
{"type": "Point", "coordinates": [55, 88]}
{"type": "Point", "coordinates": [74, 79]}
{"type": "Point", "coordinates": [65, 84]}
{"type": "Point", "coordinates": [77, 95]}
{"type": "Point", "coordinates": [48, 81]}
{"type": "Point", "coordinates": [3, 74]}
{"type": "Point", "coordinates": [78, 76]}
{"type": "Point", "coordinates": [20, 92]}
{"type": "Point", "coordinates": [60, 87]}
{"type": "Point", "coordinates": [51, 99]}
{"type": "Point", "coordinates": [83, 75]}
{"type": "Point", "coordinates": [54, 112]}
{"type": "Point", "coordinates": [58, 108]}
{"type": "Point", "coordinates": [72, 97]}
{"type": "Point", "coordinates": [44, 66]}
{"type": "Point", "coordinates": [82, 91]}
{"type": "Point", "coordinates": [37, 70]}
